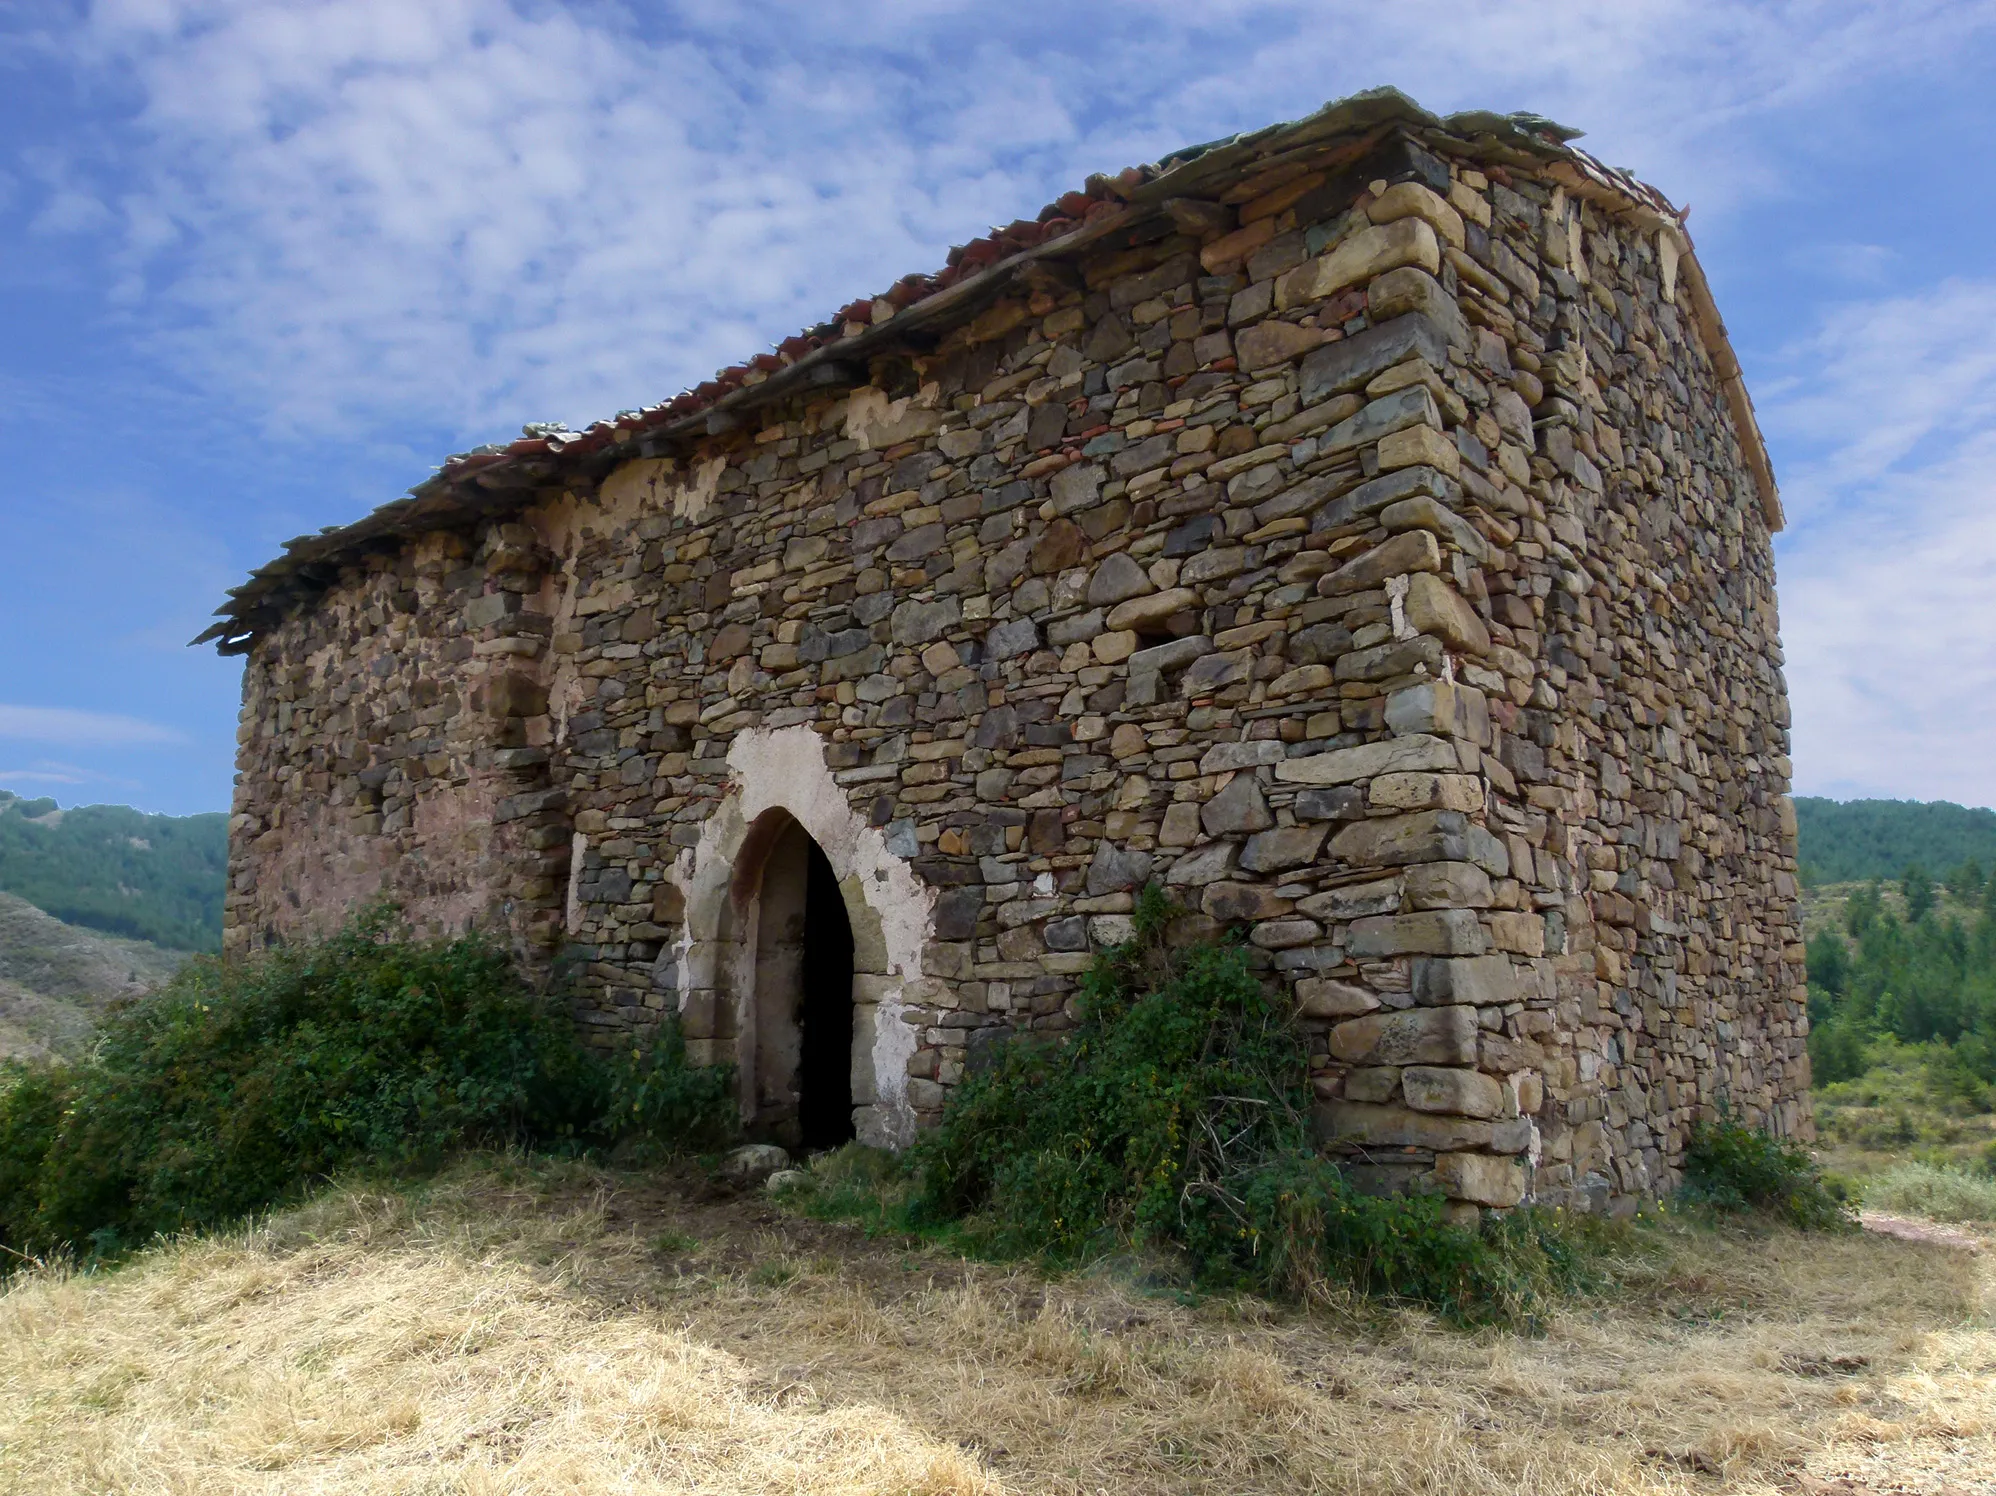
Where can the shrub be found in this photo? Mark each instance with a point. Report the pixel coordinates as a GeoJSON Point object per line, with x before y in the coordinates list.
{"type": "Point", "coordinates": [1175, 1115]}
{"type": "Point", "coordinates": [1734, 1169]}
{"type": "Point", "coordinates": [1936, 1192]}
{"type": "Point", "coordinates": [242, 1081]}
{"type": "Point", "coordinates": [654, 1093]}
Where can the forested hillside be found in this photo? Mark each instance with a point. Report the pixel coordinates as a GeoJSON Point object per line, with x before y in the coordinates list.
{"type": "Point", "coordinates": [1844, 841]}
{"type": "Point", "coordinates": [111, 868]}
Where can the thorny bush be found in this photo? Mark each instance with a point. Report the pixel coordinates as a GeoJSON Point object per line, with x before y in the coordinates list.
{"type": "Point", "coordinates": [244, 1080]}
{"type": "Point", "coordinates": [1176, 1115]}
{"type": "Point", "coordinates": [1732, 1169]}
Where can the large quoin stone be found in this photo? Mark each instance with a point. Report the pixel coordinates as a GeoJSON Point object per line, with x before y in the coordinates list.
{"type": "Point", "coordinates": [1227, 902]}
{"type": "Point", "coordinates": [1395, 841]}
{"type": "Point", "coordinates": [1444, 707]}
{"type": "Point", "coordinates": [1355, 900]}
{"type": "Point", "coordinates": [1427, 792]}
{"type": "Point", "coordinates": [1434, 607]}
{"type": "Point", "coordinates": [1432, 932]}
{"type": "Point", "coordinates": [1410, 289]}
{"type": "Point", "coordinates": [1375, 1126]}
{"type": "Point", "coordinates": [1480, 1178]}
{"type": "Point", "coordinates": [1369, 252]}
{"type": "Point", "coordinates": [1424, 512]}
{"type": "Point", "coordinates": [1481, 980]}
{"type": "Point", "coordinates": [1412, 1036]}
{"type": "Point", "coordinates": [1467, 1093]}
{"type": "Point", "coordinates": [1271, 342]}
{"type": "Point", "coordinates": [1380, 1083]}
{"type": "Point", "coordinates": [1388, 756]}
{"type": "Point", "coordinates": [1338, 368]}
{"type": "Point", "coordinates": [1417, 200]}
{"type": "Point", "coordinates": [1324, 997]}
{"type": "Point", "coordinates": [1448, 885]}
{"type": "Point", "coordinates": [1415, 550]}
{"type": "Point", "coordinates": [1418, 446]}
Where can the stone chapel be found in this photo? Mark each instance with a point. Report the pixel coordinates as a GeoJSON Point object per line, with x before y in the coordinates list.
{"type": "Point", "coordinates": [1358, 527]}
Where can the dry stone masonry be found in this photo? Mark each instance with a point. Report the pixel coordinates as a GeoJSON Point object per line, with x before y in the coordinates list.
{"type": "Point", "coordinates": [1358, 527]}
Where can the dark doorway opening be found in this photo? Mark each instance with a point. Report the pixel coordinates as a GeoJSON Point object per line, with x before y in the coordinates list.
{"type": "Point", "coordinates": [824, 1071]}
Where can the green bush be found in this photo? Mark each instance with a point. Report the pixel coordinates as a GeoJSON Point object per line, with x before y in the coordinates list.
{"type": "Point", "coordinates": [242, 1081]}
{"type": "Point", "coordinates": [1734, 1169]}
{"type": "Point", "coordinates": [1176, 1116]}
{"type": "Point", "coordinates": [655, 1094]}
{"type": "Point", "coordinates": [1936, 1192]}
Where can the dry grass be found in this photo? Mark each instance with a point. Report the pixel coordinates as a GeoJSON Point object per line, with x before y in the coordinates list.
{"type": "Point", "coordinates": [539, 1330]}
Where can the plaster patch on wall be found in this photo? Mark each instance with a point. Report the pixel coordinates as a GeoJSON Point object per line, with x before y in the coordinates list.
{"type": "Point", "coordinates": [875, 422]}
{"type": "Point", "coordinates": [691, 498]}
{"type": "Point", "coordinates": [578, 848]}
{"type": "Point", "coordinates": [645, 482]}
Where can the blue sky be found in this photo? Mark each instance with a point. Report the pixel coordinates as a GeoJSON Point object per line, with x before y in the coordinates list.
{"type": "Point", "coordinates": [262, 265]}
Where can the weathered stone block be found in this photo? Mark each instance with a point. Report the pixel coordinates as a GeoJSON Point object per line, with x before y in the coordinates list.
{"type": "Point", "coordinates": [1282, 848]}
{"type": "Point", "coordinates": [1484, 981]}
{"type": "Point", "coordinates": [1427, 792]}
{"type": "Point", "coordinates": [1436, 932]}
{"type": "Point", "coordinates": [1388, 756]}
{"type": "Point", "coordinates": [1228, 902]}
{"type": "Point", "coordinates": [1415, 199]}
{"type": "Point", "coordinates": [1380, 419]}
{"type": "Point", "coordinates": [1117, 580]}
{"type": "Point", "coordinates": [1356, 900]}
{"type": "Point", "coordinates": [1480, 1179]}
{"type": "Point", "coordinates": [1467, 1093]}
{"type": "Point", "coordinates": [1322, 997]}
{"type": "Point", "coordinates": [1378, 1084]}
{"type": "Point", "coordinates": [1519, 931]}
{"type": "Point", "coordinates": [1413, 551]}
{"type": "Point", "coordinates": [1145, 613]}
{"type": "Point", "coordinates": [1440, 707]}
{"type": "Point", "coordinates": [1375, 1126]}
{"type": "Point", "coordinates": [1370, 252]}
{"type": "Point", "coordinates": [1240, 807]}
{"type": "Point", "coordinates": [1268, 343]}
{"type": "Point", "coordinates": [1413, 1036]}
{"type": "Point", "coordinates": [1341, 367]}
{"type": "Point", "coordinates": [1410, 289]}
{"type": "Point", "coordinates": [1434, 607]}
{"type": "Point", "coordinates": [1394, 841]}
{"type": "Point", "coordinates": [1448, 885]}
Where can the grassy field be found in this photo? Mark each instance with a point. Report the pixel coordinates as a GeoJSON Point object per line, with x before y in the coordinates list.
{"type": "Point", "coordinates": [527, 1328]}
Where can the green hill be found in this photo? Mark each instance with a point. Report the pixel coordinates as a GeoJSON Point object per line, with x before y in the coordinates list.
{"type": "Point", "coordinates": [55, 980]}
{"type": "Point", "coordinates": [111, 868]}
{"type": "Point", "coordinates": [1847, 841]}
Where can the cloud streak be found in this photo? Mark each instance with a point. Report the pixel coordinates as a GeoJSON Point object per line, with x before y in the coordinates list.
{"type": "Point", "coordinates": [1888, 581]}
{"type": "Point", "coordinates": [81, 729]}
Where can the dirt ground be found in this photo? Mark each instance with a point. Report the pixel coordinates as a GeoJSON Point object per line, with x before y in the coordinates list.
{"type": "Point", "coordinates": [545, 1328]}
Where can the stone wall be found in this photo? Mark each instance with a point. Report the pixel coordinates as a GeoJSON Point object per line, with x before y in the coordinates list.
{"type": "Point", "coordinates": [1372, 559]}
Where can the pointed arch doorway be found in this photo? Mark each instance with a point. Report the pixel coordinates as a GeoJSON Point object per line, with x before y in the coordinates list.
{"type": "Point", "coordinates": [802, 1007]}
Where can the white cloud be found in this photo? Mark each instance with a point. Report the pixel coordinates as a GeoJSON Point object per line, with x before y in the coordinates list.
{"type": "Point", "coordinates": [45, 775]}
{"type": "Point", "coordinates": [1888, 580]}
{"type": "Point", "coordinates": [470, 212]}
{"type": "Point", "coordinates": [81, 729]}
